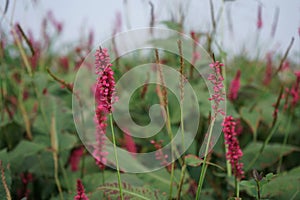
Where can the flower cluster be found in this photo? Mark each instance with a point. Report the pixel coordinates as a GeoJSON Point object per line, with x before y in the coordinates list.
{"type": "Point", "coordinates": [292, 92]}
{"type": "Point", "coordinates": [234, 152]}
{"type": "Point", "coordinates": [295, 89]}
{"type": "Point", "coordinates": [235, 86]}
{"type": "Point", "coordinates": [80, 192]}
{"type": "Point", "coordinates": [104, 94]}
{"type": "Point", "coordinates": [216, 79]}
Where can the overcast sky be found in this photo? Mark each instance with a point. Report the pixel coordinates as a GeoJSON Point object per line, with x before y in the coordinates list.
{"type": "Point", "coordinates": [79, 17]}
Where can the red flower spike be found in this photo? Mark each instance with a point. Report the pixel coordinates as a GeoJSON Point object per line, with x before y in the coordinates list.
{"type": "Point", "coordinates": [234, 152]}
{"type": "Point", "coordinates": [80, 192]}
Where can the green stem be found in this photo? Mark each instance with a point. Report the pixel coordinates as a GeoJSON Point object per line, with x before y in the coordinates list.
{"type": "Point", "coordinates": [237, 188]}
{"type": "Point", "coordinates": [170, 133]}
{"type": "Point", "coordinates": [204, 166]}
{"type": "Point", "coordinates": [285, 139]}
{"type": "Point", "coordinates": [228, 165]}
{"type": "Point", "coordinates": [258, 190]}
{"type": "Point", "coordinates": [116, 155]}
{"type": "Point", "coordinates": [183, 169]}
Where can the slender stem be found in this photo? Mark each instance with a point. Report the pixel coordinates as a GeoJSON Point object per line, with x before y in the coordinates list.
{"type": "Point", "coordinates": [54, 146]}
{"type": "Point", "coordinates": [24, 113]}
{"type": "Point", "coordinates": [258, 190]}
{"type": "Point", "coordinates": [170, 133]}
{"type": "Point", "coordinates": [286, 136]}
{"type": "Point", "coordinates": [228, 165]}
{"type": "Point", "coordinates": [116, 155]}
{"type": "Point", "coordinates": [204, 166]}
{"type": "Point", "coordinates": [237, 188]}
{"type": "Point", "coordinates": [183, 170]}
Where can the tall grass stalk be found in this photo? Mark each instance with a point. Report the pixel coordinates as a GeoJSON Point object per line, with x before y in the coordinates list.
{"type": "Point", "coordinates": [183, 168]}
{"type": "Point", "coordinates": [163, 96]}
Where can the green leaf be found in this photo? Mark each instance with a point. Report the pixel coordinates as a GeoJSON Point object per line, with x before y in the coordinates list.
{"type": "Point", "coordinates": [10, 134]}
{"type": "Point", "coordinates": [24, 150]}
{"type": "Point", "coordinates": [268, 157]}
{"type": "Point", "coordinates": [284, 186]}
{"type": "Point", "coordinates": [192, 160]}
{"type": "Point", "coordinates": [132, 192]}
{"type": "Point", "coordinates": [251, 118]}
{"type": "Point", "coordinates": [66, 141]}
{"type": "Point", "coordinates": [172, 25]}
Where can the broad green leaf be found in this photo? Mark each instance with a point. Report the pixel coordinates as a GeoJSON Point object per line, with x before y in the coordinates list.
{"type": "Point", "coordinates": [10, 134]}
{"type": "Point", "coordinates": [284, 186]}
{"type": "Point", "coordinates": [268, 157]}
{"type": "Point", "coordinates": [66, 141]}
{"type": "Point", "coordinates": [25, 148]}
{"type": "Point", "coordinates": [251, 118]}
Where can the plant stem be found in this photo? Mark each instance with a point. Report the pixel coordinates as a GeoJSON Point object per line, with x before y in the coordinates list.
{"type": "Point", "coordinates": [183, 169]}
{"type": "Point", "coordinates": [228, 165]}
{"type": "Point", "coordinates": [204, 166]}
{"type": "Point", "coordinates": [24, 113]}
{"type": "Point", "coordinates": [116, 155]}
{"type": "Point", "coordinates": [54, 146]}
{"type": "Point", "coordinates": [237, 188]}
{"type": "Point", "coordinates": [258, 190]}
{"type": "Point", "coordinates": [286, 136]}
{"type": "Point", "coordinates": [170, 133]}
{"type": "Point", "coordinates": [181, 84]}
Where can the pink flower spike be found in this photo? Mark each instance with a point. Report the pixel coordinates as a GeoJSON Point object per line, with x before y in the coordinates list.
{"type": "Point", "coordinates": [234, 152]}
{"type": "Point", "coordinates": [235, 86]}
{"type": "Point", "coordinates": [259, 22]}
{"type": "Point", "coordinates": [104, 96]}
{"type": "Point", "coordinates": [216, 79]}
{"type": "Point", "coordinates": [80, 192]}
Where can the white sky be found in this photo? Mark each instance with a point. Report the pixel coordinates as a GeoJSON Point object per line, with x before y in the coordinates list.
{"type": "Point", "coordinates": [79, 17]}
